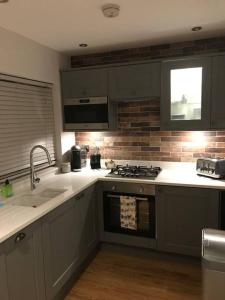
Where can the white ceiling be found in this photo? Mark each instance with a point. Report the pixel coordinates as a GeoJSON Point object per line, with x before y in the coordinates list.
{"type": "Point", "coordinates": [62, 25]}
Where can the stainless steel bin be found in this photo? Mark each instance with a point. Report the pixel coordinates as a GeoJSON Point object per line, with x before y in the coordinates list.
{"type": "Point", "coordinates": [213, 264]}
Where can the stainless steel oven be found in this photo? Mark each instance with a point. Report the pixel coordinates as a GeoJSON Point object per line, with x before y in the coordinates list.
{"type": "Point", "coordinates": [86, 113]}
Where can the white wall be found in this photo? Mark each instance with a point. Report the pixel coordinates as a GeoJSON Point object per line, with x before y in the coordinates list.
{"type": "Point", "coordinates": [25, 58]}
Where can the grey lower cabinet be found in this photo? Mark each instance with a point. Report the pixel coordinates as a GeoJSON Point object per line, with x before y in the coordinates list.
{"type": "Point", "coordinates": [218, 92]}
{"type": "Point", "coordinates": [3, 277]}
{"type": "Point", "coordinates": [60, 246]}
{"type": "Point", "coordinates": [21, 266]}
{"type": "Point", "coordinates": [182, 213]}
{"type": "Point", "coordinates": [127, 82]}
{"type": "Point", "coordinates": [37, 262]}
{"type": "Point", "coordinates": [88, 223]}
{"type": "Point", "coordinates": [69, 236]}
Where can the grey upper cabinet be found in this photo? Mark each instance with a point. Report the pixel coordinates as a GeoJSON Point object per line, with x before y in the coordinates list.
{"type": "Point", "coordinates": [218, 92]}
{"type": "Point", "coordinates": [60, 245]}
{"type": "Point", "coordinates": [84, 83]}
{"type": "Point", "coordinates": [87, 203]}
{"type": "Point", "coordinates": [186, 94]}
{"type": "Point", "coordinates": [21, 266]}
{"type": "Point", "coordinates": [136, 82]}
{"type": "Point", "coordinates": [182, 214]}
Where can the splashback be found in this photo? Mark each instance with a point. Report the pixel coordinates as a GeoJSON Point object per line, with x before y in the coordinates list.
{"type": "Point", "coordinates": [139, 137]}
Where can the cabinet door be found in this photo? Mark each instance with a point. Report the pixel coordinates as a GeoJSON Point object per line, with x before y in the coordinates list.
{"type": "Point", "coordinates": [84, 83]}
{"type": "Point", "coordinates": [182, 213]}
{"type": "Point", "coordinates": [88, 223]}
{"type": "Point", "coordinates": [23, 258]}
{"type": "Point", "coordinates": [3, 278]}
{"type": "Point", "coordinates": [186, 88]}
{"type": "Point", "coordinates": [60, 244]}
{"type": "Point", "coordinates": [218, 93]}
{"type": "Point", "coordinates": [134, 81]}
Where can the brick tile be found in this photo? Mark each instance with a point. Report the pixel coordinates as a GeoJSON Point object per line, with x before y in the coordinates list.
{"type": "Point", "coordinates": [171, 139]}
{"type": "Point", "coordinates": [153, 149]}
{"type": "Point", "coordinates": [215, 150]}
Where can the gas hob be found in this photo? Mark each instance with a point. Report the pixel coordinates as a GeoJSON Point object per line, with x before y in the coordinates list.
{"type": "Point", "coordinates": [138, 172]}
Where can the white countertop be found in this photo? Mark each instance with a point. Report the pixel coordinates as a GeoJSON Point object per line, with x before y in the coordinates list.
{"type": "Point", "coordinates": [15, 218]}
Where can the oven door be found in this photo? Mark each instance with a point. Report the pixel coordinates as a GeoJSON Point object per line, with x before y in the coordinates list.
{"type": "Point", "coordinates": [86, 113]}
{"type": "Point", "coordinates": [145, 206]}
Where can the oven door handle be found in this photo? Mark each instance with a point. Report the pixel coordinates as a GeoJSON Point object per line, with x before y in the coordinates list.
{"type": "Point", "coordinates": [118, 196]}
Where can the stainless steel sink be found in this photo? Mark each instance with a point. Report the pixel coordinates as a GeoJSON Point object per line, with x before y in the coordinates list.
{"type": "Point", "coordinates": [37, 199]}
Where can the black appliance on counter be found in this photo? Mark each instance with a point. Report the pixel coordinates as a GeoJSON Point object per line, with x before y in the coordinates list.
{"type": "Point", "coordinates": [145, 208]}
{"type": "Point", "coordinates": [138, 172]}
{"type": "Point", "coordinates": [95, 161]}
{"type": "Point", "coordinates": [78, 157]}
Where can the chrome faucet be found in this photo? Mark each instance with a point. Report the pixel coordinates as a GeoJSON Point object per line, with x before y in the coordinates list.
{"type": "Point", "coordinates": [33, 176]}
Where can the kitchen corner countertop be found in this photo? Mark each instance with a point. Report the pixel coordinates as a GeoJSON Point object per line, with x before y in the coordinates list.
{"type": "Point", "coordinates": [14, 218]}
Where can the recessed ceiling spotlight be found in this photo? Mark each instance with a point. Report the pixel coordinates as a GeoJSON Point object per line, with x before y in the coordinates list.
{"type": "Point", "coordinates": [111, 10]}
{"type": "Point", "coordinates": [83, 45]}
{"type": "Point", "coordinates": [196, 28]}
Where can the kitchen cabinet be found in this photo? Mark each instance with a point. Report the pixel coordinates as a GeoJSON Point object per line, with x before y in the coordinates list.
{"type": "Point", "coordinates": [21, 266]}
{"type": "Point", "coordinates": [186, 94]}
{"type": "Point", "coordinates": [60, 245]}
{"type": "Point", "coordinates": [218, 92]}
{"type": "Point", "coordinates": [80, 112]}
{"type": "Point", "coordinates": [135, 82]}
{"type": "Point", "coordinates": [69, 237]}
{"type": "Point", "coordinates": [3, 278]}
{"type": "Point", "coordinates": [84, 83]}
{"type": "Point", "coordinates": [38, 261]}
{"type": "Point", "coordinates": [182, 213]}
{"type": "Point", "coordinates": [88, 223]}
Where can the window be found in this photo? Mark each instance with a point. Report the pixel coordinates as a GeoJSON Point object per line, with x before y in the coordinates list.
{"type": "Point", "coordinates": [26, 120]}
{"type": "Point", "coordinates": [186, 93]}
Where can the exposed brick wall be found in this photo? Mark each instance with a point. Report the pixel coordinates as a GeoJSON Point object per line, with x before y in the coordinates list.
{"type": "Point", "coordinates": [139, 137]}
{"type": "Point", "coordinates": [151, 52]}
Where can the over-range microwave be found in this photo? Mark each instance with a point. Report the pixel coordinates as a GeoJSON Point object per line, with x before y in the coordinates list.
{"type": "Point", "coordinates": [92, 113]}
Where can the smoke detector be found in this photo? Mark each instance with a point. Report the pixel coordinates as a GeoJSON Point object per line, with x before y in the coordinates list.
{"type": "Point", "coordinates": [110, 10]}
{"type": "Point", "coordinates": [196, 28]}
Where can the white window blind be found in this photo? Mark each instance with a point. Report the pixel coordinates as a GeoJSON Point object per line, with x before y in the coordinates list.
{"type": "Point", "coordinates": [26, 120]}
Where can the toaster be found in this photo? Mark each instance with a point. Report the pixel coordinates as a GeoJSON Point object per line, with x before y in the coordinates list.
{"type": "Point", "coordinates": [211, 167]}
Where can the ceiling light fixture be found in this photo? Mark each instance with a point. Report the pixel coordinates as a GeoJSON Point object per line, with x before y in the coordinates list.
{"type": "Point", "coordinates": [196, 28]}
{"type": "Point", "coordinates": [83, 45]}
{"type": "Point", "coordinates": [111, 10]}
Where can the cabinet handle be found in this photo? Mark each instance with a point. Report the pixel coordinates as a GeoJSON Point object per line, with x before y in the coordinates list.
{"type": "Point", "coordinates": [79, 196]}
{"type": "Point", "coordinates": [141, 189]}
{"type": "Point", "coordinates": [113, 188]}
{"type": "Point", "coordinates": [21, 236]}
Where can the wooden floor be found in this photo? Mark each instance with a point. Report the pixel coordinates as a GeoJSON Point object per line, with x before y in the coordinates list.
{"type": "Point", "coordinates": [113, 275]}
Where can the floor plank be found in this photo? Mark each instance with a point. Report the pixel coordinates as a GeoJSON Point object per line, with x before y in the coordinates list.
{"type": "Point", "coordinates": [113, 275]}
